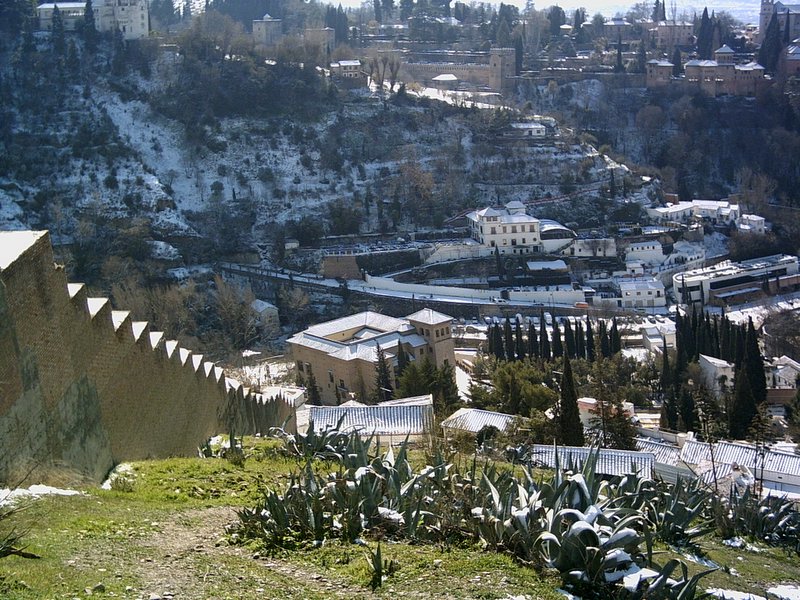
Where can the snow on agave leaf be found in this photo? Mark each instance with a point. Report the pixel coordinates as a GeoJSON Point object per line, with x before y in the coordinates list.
{"type": "Point", "coordinates": [388, 514]}
{"type": "Point", "coordinates": [592, 513]}
{"type": "Point", "coordinates": [623, 537]}
{"type": "Point", "coordinates": [635, 576]}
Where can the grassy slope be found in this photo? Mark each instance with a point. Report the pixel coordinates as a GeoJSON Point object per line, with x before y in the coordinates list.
{"type": "Point", "coordinates": [168, 535]}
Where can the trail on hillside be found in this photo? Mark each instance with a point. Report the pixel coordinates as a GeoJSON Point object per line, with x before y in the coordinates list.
{"type": "Point", "coordinates": [188, 558]}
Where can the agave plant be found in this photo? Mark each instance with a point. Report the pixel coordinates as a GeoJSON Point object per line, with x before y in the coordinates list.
{"type": "Point", "coordinates": [771, 519]}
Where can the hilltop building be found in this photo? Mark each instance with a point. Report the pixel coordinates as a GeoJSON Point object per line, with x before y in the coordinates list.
{"type": "Point", "coordinates": [131, 17]}
{"type": "Point", "coordinates": [343, 353]}
{"type": "Point", "coordinates": [712, 77]}
{"type": "Point", "coordinates": [512, 231]}
{"type": "Point", "coordinates": [267, 32]}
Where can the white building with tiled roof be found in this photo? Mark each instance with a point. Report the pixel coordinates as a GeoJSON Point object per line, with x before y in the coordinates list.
{"type": "Point", "coordinates": [343, 353]}
{"type": "Point", "coordinates": [512, 231]}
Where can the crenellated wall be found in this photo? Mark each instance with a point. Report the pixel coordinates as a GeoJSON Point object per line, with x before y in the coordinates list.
{"type": "Point", "coordinates": [84, 387]}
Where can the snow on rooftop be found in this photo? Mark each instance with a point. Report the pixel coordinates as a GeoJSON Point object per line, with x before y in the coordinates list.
{"type": "Point", "coordinates": [428, 316]}
{"type": "Point", "coordinates": [13, 244]}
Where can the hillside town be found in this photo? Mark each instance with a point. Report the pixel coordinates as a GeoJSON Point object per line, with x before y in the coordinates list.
{"type": "Point", "coordinates": [273, 274]}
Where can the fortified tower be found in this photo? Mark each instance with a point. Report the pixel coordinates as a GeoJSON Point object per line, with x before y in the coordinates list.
{"type": "Point", "coordinates": [501, 62]}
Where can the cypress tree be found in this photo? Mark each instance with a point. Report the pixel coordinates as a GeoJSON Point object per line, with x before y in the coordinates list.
{"type": "Point", "coordinates": [57, 37]}
{"type": "Point", "coordinates": [383, 378]}
{"type": "Point", "coordinates": [743, 406]}
{"type": "Point", "coordinates": [508, 339]}
{"type": "Point", "coordinates": [590, 352]}
{"type": "Point", "coordinates": [619, 67]}
{"type": "Point", "coordinates": [787, 30]}
{"type": "Point", "coordinates": [754, 364]}
{"type": "Point", "coordinates": [402, 360]}
{"type": "Point", "coordinates": [499, 351]}
{"type": "Point", "coordinates": [705, 37]}
{"type": "Point", "coordinates": [569, 414]}
{"type": "Point", "coordinates": [520, 343]}
{"type": "Point", "coordinates": [616, 338]}
{"type": "Point", "coordinates": [312, 389]}
{"type": "Point", "coordinates": [569, 339]}
{"type": "Point", "coordinates": [89, 27]}
{"type": "Point", "coordinates": [665, 381]}
{"type": "Point", "coordinates": [544, 342]}
{"type": "Point", "coordinates": [686, 409]}
{"type": "Point", "coordinates": [533, 341]}
{"type": "Point", "coordinates": [771, 46]}
{"type": "Point", "coordinates": [656, 14]}
{"type": "Point", "coordinates": [605, 343]}
{"type": "Point", "coordinates": [580, 341]}
{"type": "Point", "coordinates": [677, 67]}
{"type": "Point", "coordinates": [558, 345]}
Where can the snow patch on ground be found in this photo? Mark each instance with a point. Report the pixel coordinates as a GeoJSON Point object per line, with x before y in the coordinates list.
{"type": "Point", "coordinates": [733, 594]}
{"type": "Point", "coordinates": [785, 592]}
{"type": "Point", "coordinates": [9, 496]}
{"type": "Point", "coordinates": [121, 471]}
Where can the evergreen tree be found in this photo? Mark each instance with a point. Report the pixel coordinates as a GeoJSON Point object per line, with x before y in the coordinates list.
{"type": "Point", "coordinates": [569, 339]}
{"type": "Point", "coordinates": [383, 377]}
{"type": "Point", "coordinates": [402, 359]}
{"type": "Point", "coordinates": [665, 380]}
{"type": "Point", "coordinates": [705, 37]}
{"type": "Point", "coordinates": [406, 8]}
{"type": "Point", "coordinates": [519, 342]}
{"type": "Point", "coordinates": [687, 413]}
{"type": "Point", "coordinates": [497, 342]}
{"type": "Point", "coordinates": [743, 407]}
{"type": "Point", "coordinates": [57, 36]}
{"type": "Point", "coordinates": [503, 35]}
{"type": "Point", "coordinates": [508, 337]}
{"type": "Point", "coordinates": [89, 27]}
{"type": "Point", "coordinates": [605, 343]}
{"type": "Point", "coordinates": [656, 14]}
{"type": "Point", "coordinates": [558, 345]}
{"type": "Point", "coordinates": [641, 58]}
{"type": "Point", "coordinates": [312, 389]}
{"type": "Point", "coordinates": [544, 342]}
{"type": "Point", "coordinates": [378, 9]}
{"type": "Point", "coordinates": [590, 351]}
{"type": "Point", "coordinates": [519, 54]}
{"type": "Point", "coordinates": [446, 396]}
{"type": "Point", "coordinates": [771, 46]}
{"type": "Point", "coordinates": [677, 67]}
{"type": "Point", "coordinates": [569, 414]}
{"type": "Point", "coordinates": [787, 30]}
{"type": "Point", "coordinates": [580, 341]}
{"type": "Point", "coordinates": [754, 364]}
{"type": "Point", "coordinates": [619, 67]}
{"type": "Point", "coordinates": [533, 341]}
{"type": "Point", "coordinates": [615, 337]}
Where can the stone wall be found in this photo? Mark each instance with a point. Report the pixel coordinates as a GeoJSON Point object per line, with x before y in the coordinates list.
{"type": "Point", "coordinates": [84, 387]}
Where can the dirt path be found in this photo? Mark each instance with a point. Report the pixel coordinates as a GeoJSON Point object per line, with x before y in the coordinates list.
{"type": "Point", "coordinates": [189, 559]}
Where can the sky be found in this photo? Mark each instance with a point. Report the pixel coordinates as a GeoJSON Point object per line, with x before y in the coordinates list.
{"type": "Point", "coordinates": [744, 10]}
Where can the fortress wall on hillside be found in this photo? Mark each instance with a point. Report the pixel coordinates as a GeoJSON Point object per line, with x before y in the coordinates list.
{"type": "Point", "coordinates": [85, 387]}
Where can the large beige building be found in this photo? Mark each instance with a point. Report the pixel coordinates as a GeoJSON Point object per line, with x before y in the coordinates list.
{"type": "Point", "coordinates": [512, 231]}
{"type": "Point", "coordinates": [343, 353]}
{"type": "Point", "coordinates": [131, 17]}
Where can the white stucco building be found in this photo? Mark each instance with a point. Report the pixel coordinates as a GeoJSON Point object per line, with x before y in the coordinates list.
{"type": "Point", "coordinates": [512, 231]}
{"type": "Point", "coordinates": [714, 211]}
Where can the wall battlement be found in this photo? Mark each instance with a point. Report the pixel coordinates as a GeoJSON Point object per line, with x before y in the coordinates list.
{"type": "Point", "coordinates": [84, 386]}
